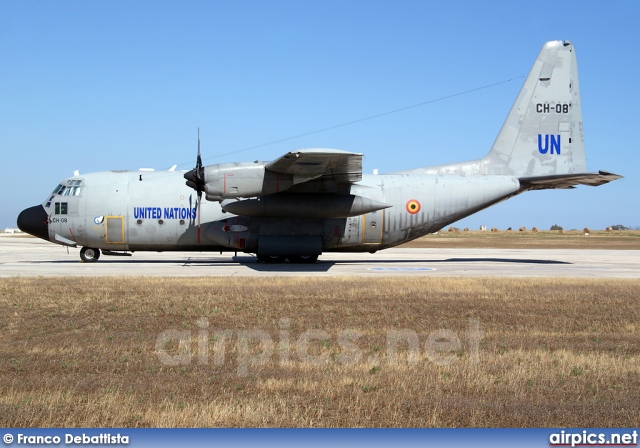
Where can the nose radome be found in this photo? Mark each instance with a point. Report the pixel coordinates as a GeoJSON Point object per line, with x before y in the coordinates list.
{"type": "Point", "coordinates": [35, 221]}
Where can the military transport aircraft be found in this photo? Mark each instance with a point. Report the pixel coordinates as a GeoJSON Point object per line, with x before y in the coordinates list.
{"type": "Point", "coordinates": [317, 200]}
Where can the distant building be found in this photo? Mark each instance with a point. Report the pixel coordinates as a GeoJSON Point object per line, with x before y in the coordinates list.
{"type": "Point", "coordinates": [483, 227]}
{"type": "Point", "coordinates": [12, 230]}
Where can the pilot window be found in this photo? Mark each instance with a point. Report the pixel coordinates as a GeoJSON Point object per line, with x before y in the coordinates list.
{"type": "Point", "coordinates": [69, 187]}
{"type": "Point", "coordinates": [53, 194]}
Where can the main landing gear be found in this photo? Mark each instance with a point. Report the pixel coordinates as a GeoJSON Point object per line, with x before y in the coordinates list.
{"type": "Point", "coordinates": [299, 259]}
{"type": "Point", "coordinates": [89, 254]}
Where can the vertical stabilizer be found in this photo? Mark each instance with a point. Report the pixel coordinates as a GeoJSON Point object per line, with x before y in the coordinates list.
{"type": "Point", "coordinates": [541, 141]}
{"type": "Point", "coordinates": [542, 134]}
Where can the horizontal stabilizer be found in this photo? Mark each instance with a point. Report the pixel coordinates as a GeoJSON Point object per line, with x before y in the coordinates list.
{"type": "Point", "coordinates": [567, 180]}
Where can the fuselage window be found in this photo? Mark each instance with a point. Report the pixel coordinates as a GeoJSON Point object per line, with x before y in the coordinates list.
{"type": "Point", "coordinates": [60, 208]}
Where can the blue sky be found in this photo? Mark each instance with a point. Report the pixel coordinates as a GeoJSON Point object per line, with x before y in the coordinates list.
{"type": "Point", "coordinates": [99, 85]}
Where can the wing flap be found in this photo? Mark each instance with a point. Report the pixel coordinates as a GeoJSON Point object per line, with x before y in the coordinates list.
{"type": "Point", "coordinates": [308, 164]}
{"type": "Point", "coordinates": [567, 180]}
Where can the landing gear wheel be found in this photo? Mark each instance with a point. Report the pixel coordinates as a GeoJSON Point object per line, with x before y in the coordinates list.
{"type": "Point", "coordinates": [303, 259]}
{"type": "Point", "coordinates": [272, 259]}
{"type": "Point", "coordinates": [89, 254]}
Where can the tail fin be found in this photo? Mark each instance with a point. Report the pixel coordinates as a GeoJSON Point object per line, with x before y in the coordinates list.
{"type": "Point", "coordinates": [542, 134]}
{"type": "Point", "coordinates": [541, 141]}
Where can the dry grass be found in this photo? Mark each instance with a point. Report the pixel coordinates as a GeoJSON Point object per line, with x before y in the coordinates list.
{"type": "Point", "coordinates": [556, 352]}
{"type": "Point", "coordinates": [523, 239]}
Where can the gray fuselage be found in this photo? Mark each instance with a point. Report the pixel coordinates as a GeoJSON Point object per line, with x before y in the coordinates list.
{"type": "Point", "coordinates": [156, 211]}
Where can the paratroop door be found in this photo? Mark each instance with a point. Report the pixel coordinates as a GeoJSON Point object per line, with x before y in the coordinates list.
{"type": "Point", "coordinates": [114, 228]}
{"type": "Point", "coordinates": [372, 227]}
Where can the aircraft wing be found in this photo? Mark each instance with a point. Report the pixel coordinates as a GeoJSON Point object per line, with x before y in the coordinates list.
{"type": "Point", "coordinates": [567, 180]}
{"type": "Point", "coordinates": [308, 164]}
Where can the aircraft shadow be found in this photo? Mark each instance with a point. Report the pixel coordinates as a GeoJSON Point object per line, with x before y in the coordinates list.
{"type": "Point", "coordinates": [252, 263]}
{"type": "Point", "coordinates": [505, 260]}
{"type": "Point", "coordinates": [452, 260]}
{"type": "Point", "coordinates": [324, 266]}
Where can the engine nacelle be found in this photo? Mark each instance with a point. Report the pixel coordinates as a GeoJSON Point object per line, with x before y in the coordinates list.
{"type": "Point", "coordinates": [305, 206]}
{"type": "Point", "coordinates": [242, 180]}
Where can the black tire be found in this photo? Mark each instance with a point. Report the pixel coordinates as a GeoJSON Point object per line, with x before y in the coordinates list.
{"type": "Point", "coordinates": [272, 259]}
{"type": "Point", "coordinates": [303, 259]}
{"type": "Point", "coordinates": [89, 254]}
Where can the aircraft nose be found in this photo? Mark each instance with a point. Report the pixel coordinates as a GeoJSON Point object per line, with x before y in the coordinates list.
{"type": "Point", "coordinates": [35, 221]}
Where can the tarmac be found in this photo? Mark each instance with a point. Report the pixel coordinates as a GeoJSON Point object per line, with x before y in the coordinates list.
{"type": "Point", "coordinates": [22, 256]}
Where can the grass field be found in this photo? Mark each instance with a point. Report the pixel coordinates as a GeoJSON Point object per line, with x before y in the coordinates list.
{"type": "Point", "coordinates": [547, 239]}
{"type": "Point", "coordinates": [319, 352]}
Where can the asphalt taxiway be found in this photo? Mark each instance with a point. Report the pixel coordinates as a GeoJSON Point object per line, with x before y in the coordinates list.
{"type": "Point", "coordinates": [32, 257]}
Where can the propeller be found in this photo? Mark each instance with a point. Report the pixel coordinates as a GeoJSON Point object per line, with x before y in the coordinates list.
{"type": "Point", "coordinates": [195, 180]}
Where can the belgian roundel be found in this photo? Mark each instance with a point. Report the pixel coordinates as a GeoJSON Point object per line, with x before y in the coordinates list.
{"type": "Point", "coordinates": [413, 206]}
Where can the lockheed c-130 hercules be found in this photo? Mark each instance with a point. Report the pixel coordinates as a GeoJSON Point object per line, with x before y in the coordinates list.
{"type": "Point", "coordinates": [317, 200]}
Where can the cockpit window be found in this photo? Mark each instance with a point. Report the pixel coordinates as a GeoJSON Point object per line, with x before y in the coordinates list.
{"type": "Point", "coordinates": [71, 191]}
{"type": "Point", "coordinates": [70, 187]}
{"type": "Point", "coordinates": [73, 187]}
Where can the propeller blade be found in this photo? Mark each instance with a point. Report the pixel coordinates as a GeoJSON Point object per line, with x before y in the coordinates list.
{"type": "Point", "coordinates": [199, 202]}
{"type": "Point", "coordinates": [195, 177]}
{"type": "Point", "coordinates": [199, 158]}
{"type": "Point", "coordinates": [199, 182]}
{"type": "Point", "coordinates": [195, 180]}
